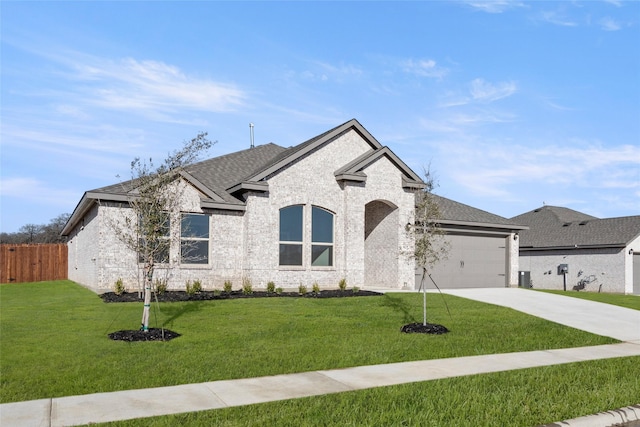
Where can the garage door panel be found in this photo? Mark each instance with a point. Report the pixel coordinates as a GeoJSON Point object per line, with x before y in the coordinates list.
{"type": "Point", "coordinates": [474, 261]}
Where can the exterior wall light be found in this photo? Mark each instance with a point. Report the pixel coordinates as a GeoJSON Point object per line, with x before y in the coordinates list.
{"type": "Point", "coordinates": [631, 251]}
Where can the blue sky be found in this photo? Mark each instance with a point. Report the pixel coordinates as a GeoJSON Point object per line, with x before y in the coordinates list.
{"type": "Point", "coordinates": [512, 104]}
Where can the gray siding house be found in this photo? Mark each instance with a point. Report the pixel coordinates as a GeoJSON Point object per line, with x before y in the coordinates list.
{"type": "Point", "coordinates": [564, 248]}
{"type": "Point", "coordinates": [332, 207]}
{"type": "Point", "coordinates": [483, 249]}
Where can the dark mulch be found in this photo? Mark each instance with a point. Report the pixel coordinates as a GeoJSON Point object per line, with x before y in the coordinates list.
{"type": "Point", "coordinates": [175, 296]}
{"type": "Point", "coordinates": [153, 334]}
{"type": "Point", "coordinates": [419, 328]}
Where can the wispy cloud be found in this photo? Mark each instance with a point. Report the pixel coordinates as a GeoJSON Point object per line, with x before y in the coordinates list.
{"type": "Point", "coordinates": [483, 91]}
{"type": "Point", "coordinates": [609, 24]}
{"type": "Point", "coordinates": [423, 68]}
{"type": "Point", "coordinates": [148, 86]}
{"type": "Point", "coordinates": [494, 6]}
{"type": "Point", "coordinates": [34, 190]}
{"type": "Point", "coordinates": [557, 18]}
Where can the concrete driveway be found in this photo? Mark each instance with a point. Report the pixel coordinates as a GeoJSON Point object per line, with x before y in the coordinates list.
{"type": "Point", "coordinates": [602, 319]}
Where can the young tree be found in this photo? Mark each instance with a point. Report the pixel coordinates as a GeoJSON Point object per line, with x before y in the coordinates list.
{"type": "Point", "coordinates": [155, 198]}
{"type": "Point", "coordinates": [430, 243]}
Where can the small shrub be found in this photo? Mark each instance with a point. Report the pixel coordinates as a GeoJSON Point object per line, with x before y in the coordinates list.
{"type": "Point", "coordinates": [197, 286]}
{"type": "Point", "coordinates": [278, 290]}
{"type": "Point", "coordinates": [228, 286]}
{"type": "Point", "coordinates": [316, 288]}
{"type": "Point", "coordinates": [216, 292]}
{"type": "Point", "coordinates": [119, 287]}
{"type": "Point", "coordinates": [342, 284]}
{"type": "Point", "coordinates": [193, 287]}
{"type": "Point", "coordinates": [160, 286]}
{"type": "Point", "coordinates": [355, 289]}
{"type": "Point", "coordinates": [247, 287]}
{"type": "Point", "coordinates": [302, 289]}
{"type": "Point", "coordinates": [271, 287]}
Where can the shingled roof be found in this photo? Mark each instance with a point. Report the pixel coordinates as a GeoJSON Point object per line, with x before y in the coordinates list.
{"type": "Point", "coordinates": [452, 211]}
{"type": "Point", "coordinates": [553, 227]}
{"type": "Point", "coordinates": [223, 179]}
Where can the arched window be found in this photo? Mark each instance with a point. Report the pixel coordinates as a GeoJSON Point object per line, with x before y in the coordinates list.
{"type": "Point", "coordinates": [321, 237]}
{"type": "Point", "coordinates": [295, 241]}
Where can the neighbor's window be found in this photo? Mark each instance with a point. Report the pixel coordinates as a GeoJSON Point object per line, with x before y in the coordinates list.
{"type": "Point", "coordinates": [321, 237]}
{"type": "Point", "coordinates": [154, 241]}
{"type": "Point", "coordinates": [291, 235]}
{"type": "Point", "coordinates": [194, 239]}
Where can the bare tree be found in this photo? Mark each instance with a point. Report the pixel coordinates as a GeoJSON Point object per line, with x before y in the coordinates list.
{"type": "Point", "coordinates": [155, 198]}
{"type": "Point", "coordinates": [430, 244]}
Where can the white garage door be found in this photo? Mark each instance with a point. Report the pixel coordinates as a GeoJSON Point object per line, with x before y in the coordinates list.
{"type": "Point", "coordinates": [473, 262]}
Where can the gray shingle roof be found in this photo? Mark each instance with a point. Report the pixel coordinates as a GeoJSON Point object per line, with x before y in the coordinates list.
{"type": "Point", "coordinates": [556, 227]}
{"type": "Point", "coordinates": [459, 212]}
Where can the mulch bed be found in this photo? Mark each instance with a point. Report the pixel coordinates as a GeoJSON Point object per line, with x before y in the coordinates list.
{"type": "Point", "coordinates": [153, 334]}
{"type": "Point", "coordinates": [419, 328]}
{"type": "Point", "coordinates": [176, 296]}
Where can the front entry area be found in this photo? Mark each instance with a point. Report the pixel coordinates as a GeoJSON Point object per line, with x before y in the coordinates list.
{"type": "Point", "coordinates": [474, 262]}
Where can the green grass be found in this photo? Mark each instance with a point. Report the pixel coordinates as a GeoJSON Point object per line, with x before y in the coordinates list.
{"type": "Point", "coordinates": [524, 397]}
{"type": "Point", "coordinates": [54, 338]}
{"type": "Point", "coordinates": [627, 301]}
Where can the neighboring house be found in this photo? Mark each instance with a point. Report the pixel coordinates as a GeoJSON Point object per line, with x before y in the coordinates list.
{"type": "Point", "coordinates": [483, 249]}
{"type": "Point", "coordinates": [564, 248]}
{"type": "Point", "coordinates": [333, 207]}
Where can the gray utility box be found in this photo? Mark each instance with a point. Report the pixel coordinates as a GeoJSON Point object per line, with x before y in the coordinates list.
{"type": "Point", "coordinates": [524, 279]}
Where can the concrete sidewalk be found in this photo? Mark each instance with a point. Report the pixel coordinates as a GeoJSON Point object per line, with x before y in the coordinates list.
{"type": "Point", "coordinates": [123, 405]}
{"type": "Point", "coordinates": [598, 318]}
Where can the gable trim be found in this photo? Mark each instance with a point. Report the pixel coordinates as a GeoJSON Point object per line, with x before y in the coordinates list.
{"type": "Point", "coordinates": [352, 124]}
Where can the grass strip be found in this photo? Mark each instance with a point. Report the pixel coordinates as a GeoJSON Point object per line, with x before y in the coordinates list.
{"type": "Point", "coordinates": [524, 397]}
{"type": "Point", "coordinates": [627, 301]}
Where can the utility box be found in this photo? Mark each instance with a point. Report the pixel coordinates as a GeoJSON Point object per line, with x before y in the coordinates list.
{"type": "Point", "coordinates": [563, 269]}
{"type": "Point", "coordinates": [524, 279]}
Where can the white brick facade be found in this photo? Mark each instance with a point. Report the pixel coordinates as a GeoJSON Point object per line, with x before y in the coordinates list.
{"type": "Point", "coordinates": [246, 244]}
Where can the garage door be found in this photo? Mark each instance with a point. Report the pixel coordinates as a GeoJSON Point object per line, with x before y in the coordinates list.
{"type": "Point", "coordinates": [473, 262]}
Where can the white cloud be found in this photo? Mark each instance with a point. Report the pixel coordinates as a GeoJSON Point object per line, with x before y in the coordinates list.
{"type": "Point", "coordinates": [424, 68]}
{"type": "Point", "coordinates": [483, 91]}
{"type": "Point", "coordinates": [33, 190]}
{"type": "Point", "coordinates": [494, 6]}
{"type": "Point", "coordinates": [148, 86]}
{"type": "Point", "coordinates": [609, 24]}
{"type": "Point", "coordinates": [556, 18]}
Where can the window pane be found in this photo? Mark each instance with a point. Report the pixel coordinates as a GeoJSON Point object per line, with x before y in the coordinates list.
{"type": "Point", "coordinates": [321, 256]}
{"type": "Point", "coordinates": [154, 224]}
{"type": "Point", "coordinates": [290, 254]}
{"type": "Point", "coordinates": [291, 224]}
{"type": "Point", "coordinates": [194, 251]}
{"type": "Point", "coordinates": [195, 225]}
{"type": "Point", "coordinates": [159, 250]}
{"type": "Point", "coordinates": [321, 226]}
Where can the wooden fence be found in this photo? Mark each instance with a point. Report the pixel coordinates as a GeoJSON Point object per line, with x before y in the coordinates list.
{"type": "Point", "coordinates": [33, 263]}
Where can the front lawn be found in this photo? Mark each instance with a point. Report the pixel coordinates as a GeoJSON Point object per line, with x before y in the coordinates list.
{"type": "Point", "coordinates": [54, 338]}
{"type": "Point", "coordinates": [627, 301]}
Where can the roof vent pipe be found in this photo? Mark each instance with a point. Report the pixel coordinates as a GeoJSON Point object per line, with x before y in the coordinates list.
{"type": "Point", "coordinates": [251, 131]}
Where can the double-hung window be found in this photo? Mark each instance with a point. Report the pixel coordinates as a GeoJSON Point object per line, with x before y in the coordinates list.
{"type": "Point", "coordinates": [295, 241]}
{"type": "Point", "coordinates": [291, 235]}
{"type": "Point", "coordinates": [194, 239]}
{"type": "Point", "coordinates": [154, 238]}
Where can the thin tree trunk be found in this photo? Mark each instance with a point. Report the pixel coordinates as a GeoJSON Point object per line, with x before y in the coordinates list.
{"type": "Point", "coordinates": [424, 297]}
{"type": "Point", "coordinates": [147, 297]}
